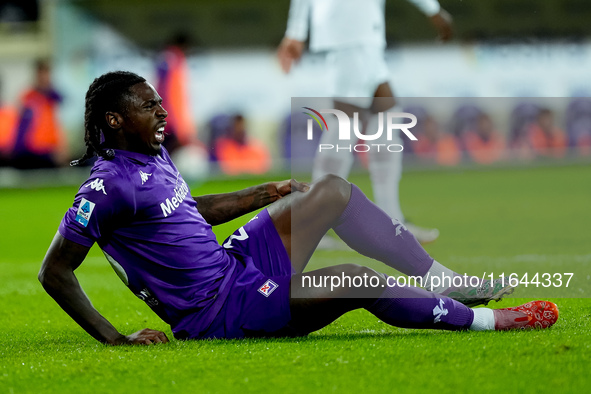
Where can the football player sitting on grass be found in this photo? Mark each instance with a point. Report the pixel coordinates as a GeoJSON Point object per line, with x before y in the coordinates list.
{"type": "Point", "coordinates": [158, 238]}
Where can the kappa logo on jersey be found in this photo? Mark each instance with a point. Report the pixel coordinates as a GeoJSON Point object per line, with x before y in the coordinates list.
{"type": "Point", "coordinates": [97, 185]}
{"type": "Point", "coordinates": [84, 212]}
{"type": "Point", "coordinates": [144, 176]}
{"type": "Point", "coordinates": [268, 288]}
{"type": "Point", "coordinates": [439, 311]}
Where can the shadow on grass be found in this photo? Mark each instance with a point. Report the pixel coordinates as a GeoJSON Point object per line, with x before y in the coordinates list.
{"type": "Point", "coordinates": [331, 337]}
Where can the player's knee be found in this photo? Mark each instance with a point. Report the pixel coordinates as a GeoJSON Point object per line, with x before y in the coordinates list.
{"type": "Point", "coordinates": [333, 190]}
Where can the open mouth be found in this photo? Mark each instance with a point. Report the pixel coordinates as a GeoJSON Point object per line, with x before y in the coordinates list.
{"type": "Point", "coordinates": [160, 134]}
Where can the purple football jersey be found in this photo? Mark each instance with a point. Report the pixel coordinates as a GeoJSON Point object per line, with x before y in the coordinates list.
{"type": "Point", "coordinates": [140, 211]}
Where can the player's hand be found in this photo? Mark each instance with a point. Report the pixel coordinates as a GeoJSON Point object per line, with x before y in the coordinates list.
{"type": "Point", "coordinates": [143, 337]}
{"type": "Point", "coordinates": [291, 185]}
{"type": "Point", "coordinates": [289, 51]}
{"type": "Point", "coordinates": [443, 22]}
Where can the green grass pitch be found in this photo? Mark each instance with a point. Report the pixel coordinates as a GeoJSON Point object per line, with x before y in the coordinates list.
{"type": "Point", "coordinates": [501, 219]}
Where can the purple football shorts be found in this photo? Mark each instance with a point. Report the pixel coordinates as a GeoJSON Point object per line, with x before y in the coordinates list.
{"type": "Point", "coordinates": [258, 303]}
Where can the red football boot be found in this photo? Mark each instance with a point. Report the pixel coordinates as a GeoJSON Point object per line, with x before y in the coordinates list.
{"type": "Point", "coordinates": [532, 315]}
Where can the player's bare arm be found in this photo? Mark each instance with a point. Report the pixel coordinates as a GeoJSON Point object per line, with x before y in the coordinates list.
{"type": "Point", "coordinates": [442, 21]}
{"type": "Point", "coordinates": [289, 52]}
{"type": "Point", "coordinates": [58, 279]}
{"type": "Point", "coordinates": [221, 208]}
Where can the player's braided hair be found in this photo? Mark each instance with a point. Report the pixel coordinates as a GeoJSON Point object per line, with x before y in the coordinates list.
{"type": "Point", "coordinates": [106, 93]}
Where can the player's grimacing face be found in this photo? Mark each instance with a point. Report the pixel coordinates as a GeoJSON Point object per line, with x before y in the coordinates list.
{"type": "Point", "coordinates": [144, 120]}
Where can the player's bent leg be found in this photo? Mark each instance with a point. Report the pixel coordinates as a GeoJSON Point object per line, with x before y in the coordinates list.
{"type": "Point", "coordinates": [320, 297]}
{"type": "Point", "coordinates": [370, 231]}
{"type": "Point", "coordinates": [302, 219]}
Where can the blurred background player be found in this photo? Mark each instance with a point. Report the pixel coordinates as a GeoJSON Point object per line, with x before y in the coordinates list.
{"type": "Point", "coordinates": [173, 83]}
{"type": "Point", "coordinates": [545, 138]}
{"type": "Point", "coordinates": [39, 141]}
{"type": "Point", "coordinates": [353, 34]}
{"type": "Point", "coordinates": [8, 118]}
{"type": "Point", "coordinates": [434, 145]}
{"type": "Point", "coordinates": [484, 144]}
{"type": "Point", "coordinates": [238, 153]}
{"type": "Point", "coordinates": [181, 132]}
{"type": "Point", "coordinates": [535, 133]}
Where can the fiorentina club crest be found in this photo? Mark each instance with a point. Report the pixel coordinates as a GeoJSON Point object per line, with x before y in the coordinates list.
{"type": "Point", "coordinates": [268, 288]}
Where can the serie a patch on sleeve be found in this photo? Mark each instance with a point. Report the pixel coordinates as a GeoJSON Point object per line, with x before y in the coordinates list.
{"type": "Point", "coordinates": [84, 212]}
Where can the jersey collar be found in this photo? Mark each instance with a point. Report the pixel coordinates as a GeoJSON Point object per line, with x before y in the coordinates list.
{"type": "Point", "coordinates": [139, 157]}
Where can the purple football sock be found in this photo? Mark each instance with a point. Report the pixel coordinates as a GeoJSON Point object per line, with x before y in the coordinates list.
{"type": "Point", "coordinates": [413, 307]}
{"type": "Point", "coordinates": [370, 231]}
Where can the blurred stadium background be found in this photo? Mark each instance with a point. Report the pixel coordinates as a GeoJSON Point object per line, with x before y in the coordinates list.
{"type": "Point", "coordinates": [533, 56]}
{"type": "Point", "coordinates": [510, 62]}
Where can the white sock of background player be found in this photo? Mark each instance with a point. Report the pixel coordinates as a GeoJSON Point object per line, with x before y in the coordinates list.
{"type": "Point", "coordinates": [385, 167]}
